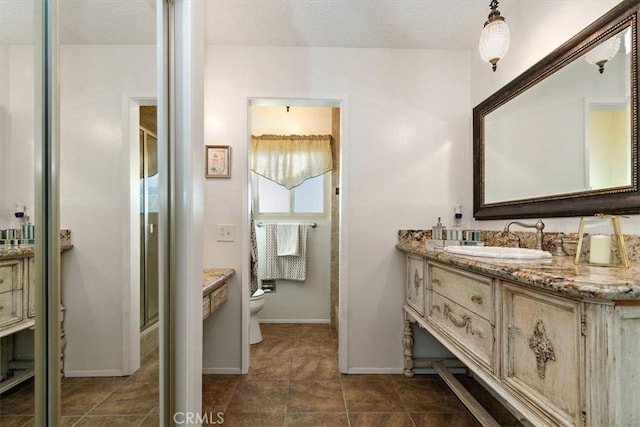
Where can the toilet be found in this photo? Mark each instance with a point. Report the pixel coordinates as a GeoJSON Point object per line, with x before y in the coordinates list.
{"type": "Point", "coordinates": [256, 304]}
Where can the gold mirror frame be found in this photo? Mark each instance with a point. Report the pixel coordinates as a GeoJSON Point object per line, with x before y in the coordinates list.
{"type": "Point", "coordinates": [619, 200]}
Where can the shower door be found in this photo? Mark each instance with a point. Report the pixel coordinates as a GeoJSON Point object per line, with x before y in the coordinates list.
{"type": "Point", "coordinates": [149, 206]}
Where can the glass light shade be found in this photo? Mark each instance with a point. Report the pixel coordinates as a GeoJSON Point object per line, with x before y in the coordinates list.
{"type": "Point", "coordinates": [494, 41]}
{"type": "Point", "coordinates": [603, 52]}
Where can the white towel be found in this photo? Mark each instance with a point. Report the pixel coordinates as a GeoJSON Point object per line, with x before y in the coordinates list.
{"type": "Point", "coordinates": [285, 267]}
{"type": "Point", "coordinates": [288, 240]}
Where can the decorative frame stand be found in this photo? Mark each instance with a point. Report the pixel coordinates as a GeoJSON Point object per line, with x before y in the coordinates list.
{"type": "Point", "coordinates": [618, 240]}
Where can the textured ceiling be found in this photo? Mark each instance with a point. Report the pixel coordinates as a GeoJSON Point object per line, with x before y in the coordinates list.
{"type": "Point", "coordinates": [412, 24]}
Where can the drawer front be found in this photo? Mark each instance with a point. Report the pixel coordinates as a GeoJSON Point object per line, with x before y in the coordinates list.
{"type": "Point", "coordinates": [543, 350]}
{"type": "Point", "coordinates": [10, 277]}
{"type": "Point", "coordinates": [473, 334]}
{"type": "Point", "coordinates": [415, 283]}
{"type": "Point", "coordinates": [220, 296]}
{"type": "Point", "coordinates": [471, 291]}
{"type": "Point", "coordinates": [206, 307]}
{"type": "Point", "coordinates": [10, 307]}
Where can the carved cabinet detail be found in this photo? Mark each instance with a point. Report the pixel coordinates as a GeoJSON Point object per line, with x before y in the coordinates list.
{"type": "Point", "coordinates": [415, 284]}
{"type": "Point", "coordinates": [543, 349]}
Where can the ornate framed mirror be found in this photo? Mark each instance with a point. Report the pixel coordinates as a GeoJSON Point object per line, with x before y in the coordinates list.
{"type": "Point", "coordinates": [561, 139]}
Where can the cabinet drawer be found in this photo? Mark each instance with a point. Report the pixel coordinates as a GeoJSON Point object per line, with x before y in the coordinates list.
{"type": "Point", "coordinates": [10, 277]}
{"type": "Point", "coordinates": [219, 296]}
{"type": "Point", "coordinates": [472, 333]}
{"type": "Point", "coordinates": [206, 307]}
{"type": "Point", "coordinates": [471, 291]}
{"type": "Point", "coordinates": [10, 307]}
{"type": "Point", "coordinates": [415, 283]}
{"type": "Point", "coordinates": [543, 350]}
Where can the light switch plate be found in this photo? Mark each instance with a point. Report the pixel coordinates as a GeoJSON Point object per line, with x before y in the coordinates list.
{"type": "Point", "coordinates": [226, 232]}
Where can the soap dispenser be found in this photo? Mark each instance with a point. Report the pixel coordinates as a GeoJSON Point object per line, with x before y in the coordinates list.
{"type": "Point", "coordinates": [457, 216]}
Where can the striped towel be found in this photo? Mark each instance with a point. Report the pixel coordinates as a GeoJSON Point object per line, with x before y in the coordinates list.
{"type": "Point", "coordinates": [285, 267]}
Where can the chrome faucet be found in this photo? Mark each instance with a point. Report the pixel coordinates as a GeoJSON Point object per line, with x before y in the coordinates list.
{"type": "Point", "coordinates": [539, 226]}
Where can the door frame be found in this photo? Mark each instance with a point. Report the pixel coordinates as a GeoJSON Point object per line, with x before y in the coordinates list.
{"type": "Point", "coordinates": [131, 297]}
{"type": "Point", "coordinates": [340, 102]}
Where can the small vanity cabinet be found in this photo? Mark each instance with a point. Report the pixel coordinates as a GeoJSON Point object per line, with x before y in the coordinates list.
{"type": "Point", "coordinates": [559, 344]}
{"type": "Point", "coordinates": [215, 289]}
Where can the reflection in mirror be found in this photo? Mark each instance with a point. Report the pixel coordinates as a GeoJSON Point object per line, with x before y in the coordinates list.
{"type": "Point", "coordinates": [608, 144]}
{"type": "Point", "coordinates": [558, 124]}
{"type": "Point", "coordinates": [561, 139]}
{"type": "Point", "coordinates": [18, 353]}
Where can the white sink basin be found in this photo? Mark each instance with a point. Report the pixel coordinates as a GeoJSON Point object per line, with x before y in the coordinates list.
{"type": "Point", "coordinates": [498, 252]}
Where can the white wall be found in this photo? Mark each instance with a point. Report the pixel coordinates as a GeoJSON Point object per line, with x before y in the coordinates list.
{"type": "Point", "coordinates": [18, 156]}
{"type": "Point", "coordinates": [536, 30]}
{"type": "Point", "coordinates": [94, 199]}
{"type": "Point", "coordinates": [94, 193]}
{"type": "Point", "coordinates": [405, 137]}
{"type": "Point", "coordinates": [5, 136]}
{"type": "Point", "coordinates": [294, 301]}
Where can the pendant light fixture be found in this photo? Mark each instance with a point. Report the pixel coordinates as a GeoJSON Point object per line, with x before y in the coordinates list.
{"type": "Point", "coordinates": [603, 53]}
{"type": "Point", "coordinates": [495, 37]}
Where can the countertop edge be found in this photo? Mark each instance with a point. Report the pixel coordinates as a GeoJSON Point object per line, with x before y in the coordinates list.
{"type": "Point", "coordinates": [583, 285]}
{"type": "Point", "coordinates": [213, 278]}
{"type": "Point", "coordinates": [26, 251]}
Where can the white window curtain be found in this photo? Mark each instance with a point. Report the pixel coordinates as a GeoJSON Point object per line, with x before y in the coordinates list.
{"type": "Point", "coordinates": [289, 160]}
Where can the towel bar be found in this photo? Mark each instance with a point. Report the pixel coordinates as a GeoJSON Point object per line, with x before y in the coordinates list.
{"type": "Point", "coordinates": [311, 224]}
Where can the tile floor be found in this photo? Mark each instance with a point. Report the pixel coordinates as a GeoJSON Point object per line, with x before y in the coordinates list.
{"type": "Point", "coordinates": [293, 381]}
{"type": "Point", "coordinates": [109, 402]}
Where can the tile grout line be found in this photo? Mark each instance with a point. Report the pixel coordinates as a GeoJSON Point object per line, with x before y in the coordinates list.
{"type": "Point", "coordinates": [404, 404]}
{"type": "Point", "coordinates": [335, 356]}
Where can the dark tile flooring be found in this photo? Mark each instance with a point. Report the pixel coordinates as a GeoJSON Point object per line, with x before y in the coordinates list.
{"type": "Point", "coordinates": [293, 381]}
{"type": "Point", "coordinates": [95, 402]}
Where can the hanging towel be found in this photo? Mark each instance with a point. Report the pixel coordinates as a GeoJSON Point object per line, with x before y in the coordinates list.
{"type": "Point", "coordinates": [285, 267]}
{"type": "Point", "coordinates": [288, 236]}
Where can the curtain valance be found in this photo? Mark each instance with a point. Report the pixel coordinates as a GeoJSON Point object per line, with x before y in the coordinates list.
{"type": "Point", "coordinates": [289, 160]}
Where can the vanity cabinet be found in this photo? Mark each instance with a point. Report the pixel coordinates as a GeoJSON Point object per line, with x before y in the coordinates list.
{"type": "Point", "coordinates": [29, 274]}
{"type": "Point", "coordinates": [16, 316]}
{"type": "Point", "coordinates": [543, 351]}
{"type": "Point", "coordinates": [554, 350]}
{"type": "Point", "coordinates": [11, 291]}
{"type": "Point", "coordinates": [462, 308]}
{"type": "Point", "coordinates": [415, 283]}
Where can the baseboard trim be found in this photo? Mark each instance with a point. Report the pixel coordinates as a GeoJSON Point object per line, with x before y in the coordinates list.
{"type": "Point", "coordinates": [221, 371]}
{"type": "Point", "coordinates": [323, 321]}
{"type": "Point", "coordinates": [107, 373]}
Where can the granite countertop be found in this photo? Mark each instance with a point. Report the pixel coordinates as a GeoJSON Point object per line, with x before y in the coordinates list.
{"type": "Point", "coordinates": [558, 274]}
{"type": "Point", "coordinates": [13, 252]}
{"type": "Point", "coordinates": [213, 278]}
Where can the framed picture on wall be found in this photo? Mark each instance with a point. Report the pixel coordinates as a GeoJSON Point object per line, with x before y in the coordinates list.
{"type": "Point", "coordinates": [217, 161]}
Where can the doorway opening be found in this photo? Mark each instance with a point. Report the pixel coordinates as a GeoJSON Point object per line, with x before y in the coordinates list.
{"type": "Point", "coordinates": [314, 203]}
{"type": "Point", "coordinates": [149, 210]}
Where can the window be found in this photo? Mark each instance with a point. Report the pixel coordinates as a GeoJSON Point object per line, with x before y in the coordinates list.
{"type": "Point", "coordinates": [311, 198]}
